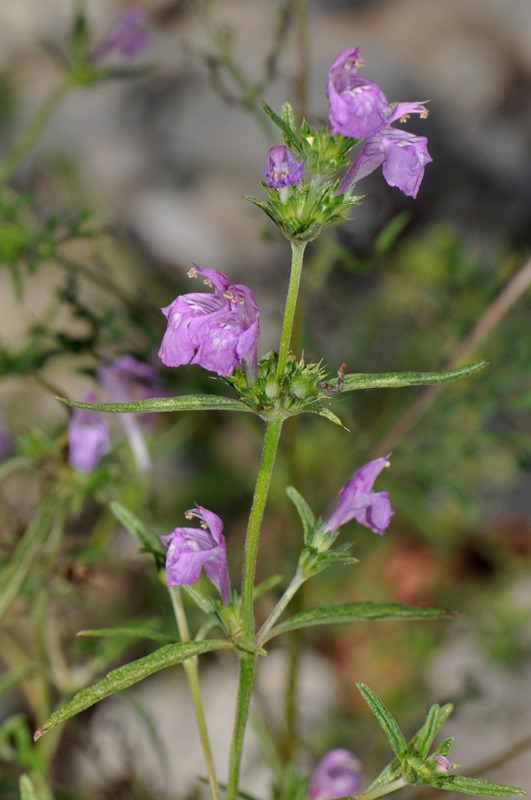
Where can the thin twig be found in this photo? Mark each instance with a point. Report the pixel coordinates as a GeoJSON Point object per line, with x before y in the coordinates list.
{"type": "Point", "coordinates": [490, 319]}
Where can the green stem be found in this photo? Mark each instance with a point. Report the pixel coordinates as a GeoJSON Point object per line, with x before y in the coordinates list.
{"type": "Point", "coordinates": [282, 604]}
{"type": "Point", "coordinates": [33, 131]}
{"type": "Point", "coordinates": [271, 440]}
{"type": "Point", "coordinates": [192, 674]}
{"type": "Point", "coordinates": [248, 660]}
{"type": "Point", "coordinates": [245, 687]}
{"type": "Point", "coordinates": [289, 737]}
{"type": "Point", "coordinates": [269, 451]}
{"type": "Point", "coordinates": [297, 255]}
{"type": "Point", "coordinates": [380, 791]}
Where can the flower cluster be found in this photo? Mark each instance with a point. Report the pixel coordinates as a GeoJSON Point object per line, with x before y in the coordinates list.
{"type": "Point", "coordinates": [360, 110]}
{"type": "Point", "coordinates": [217, 331]}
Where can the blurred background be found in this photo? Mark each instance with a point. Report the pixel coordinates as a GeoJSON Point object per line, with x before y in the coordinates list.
{"type": "Point", "coordinates": [142, 173]}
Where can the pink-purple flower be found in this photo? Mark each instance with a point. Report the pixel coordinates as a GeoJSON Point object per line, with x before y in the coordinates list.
{"type": "Point", "coordinates": [360, 110]}
{"type": "Point", "coordinates": [89, 438]}
{"type": "Point", "coordinates": [128, 36]}
{"type": "Point", "coordinates": [282, 168]}
{"type": "Point", "coordinates": [358, 107]}
{"type": "Point", "coordinates": [218, 331]}
{"type": "Point", "coordinates": [336, 775]}
{"type": "Point", "coordinates": [358, 501]}
{"type": "Point", "coordinates": [127, 379]}
{"type": "Point", "coordinates": [443, 764]}
{"type": "Point", "coordinates": [192, 549]}
{"type": "Point", "coordinates": [403, 156]}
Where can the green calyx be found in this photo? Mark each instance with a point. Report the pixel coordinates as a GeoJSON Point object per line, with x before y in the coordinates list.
{"type": "Point", "coordinates": [308, 209]}
{"type": "Point", "coordinates": [324, 155]}
{"type": "Point", "coordinates": [295, 392]}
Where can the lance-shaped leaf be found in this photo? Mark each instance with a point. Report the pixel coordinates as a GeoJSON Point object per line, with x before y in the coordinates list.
{"type": "Point", "coordinates": [27, 789]}
{"type": "Point", "coordinates": [395, 380]}
{"type": "Point", "coordinates": [288, 136]}
{"type": "Point", "coordinates": [139, 530]}
{"type": "Point", "coordinates": [459, 783]}
{"type": "Point", "coordinates": [128, 675]}
{"type": "Point", "coordinates": [191, 402]}
{"type": "Point", "coordinates": [420, 743]}
{"type": "Point", "coordinates": [387, 722]}
{"type": "Point", "coordinates": [356, 612]}
{"type": "Point", "coordinates": [126, 633]}
{"type": "Point", "coordinates": [322, 411]}
{"type": "Point", "coordinates": [424, 738]}
{"type": "Point", "coordinates": [304, 511]}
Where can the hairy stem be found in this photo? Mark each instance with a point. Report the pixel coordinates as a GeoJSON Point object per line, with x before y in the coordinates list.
{"type": "Point", "coordinates": [192, 675]}
{"type": "Point", "coordinates": [282, 604]}
{"type": "Point", "coordinates": [245, 687]}
{"type": "Point", "coordinates": [269, 451]}
{"type": "Point", "coordinates": [380, 791]}
{"type": "Point", "coordinates": [297, 255]}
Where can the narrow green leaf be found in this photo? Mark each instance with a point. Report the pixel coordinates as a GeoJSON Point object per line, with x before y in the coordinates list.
{"type": "Point", "coordinates": [203, 602]}
{"type": "Point", "coordinates": [329, 415]}
{"type": "Point", "coordinates": [390, 773]}
{"type": "Point", "coordinates": [26, 788]}
{"type": "Point", "coordinates": [396, 380]}
{"type": "Point", "coordinates": [192, 402]}
{"type": "Point", "coordinates": [127, 633]}
{"type": "Point", "coordinates": [18, 566]}
{"type": "Point", "coordinates": [204, 630]}
{"type": "Point", "coordinates": [266, 585]}
{"type": "Point", "coordinates": [459, 783]}
{"type": "Point", "coordinates": [444, 747]}
{"type": "Point", "coordinates": [304, 511]}
{"type": "Point", "coordinates": [390, 233]}
{"type": "Point", "coordinates": [356, 612]}
{"type": "Point", "coordinates": [287, 134]}
{"type": "Point", "coordinates": [387, 722]}
{"type": "Point", "coordinates": [128, 675]}
{"type": "Point", "coordinates": [139, 530]}
{"type": "Point", "coordinates": [424, 738]}
{"type": "Point", "coordinates": [436, 719]}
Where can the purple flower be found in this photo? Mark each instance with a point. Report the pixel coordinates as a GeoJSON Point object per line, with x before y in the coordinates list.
{"type": "Point", "coordinates": [443, 765]}
{"type": "Point", "coordinates": [89, 437]}
{"type": "Point", "coordinates": [282, 168]}
{"type": "Point", "coordinates": [336, 775]}
{"type": "Point", "coordinates": [128, 36]}
{"type": "Point", "coordinates": [358, 107]}
{"type": "Point", "coordinates": [217, 331]}
{"type": "Point", "coordinates": [126, 379]}
{"type": "Point", "coordinates": [192, 549]}
{"type": "Point", "coordinates": [360, 110]}
{"type": "Point", "coordinates": [402, 154]}
{"type": "Point", "coordinates": [358, 501]}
